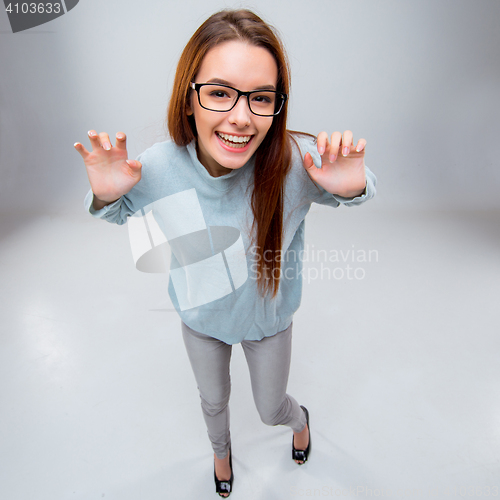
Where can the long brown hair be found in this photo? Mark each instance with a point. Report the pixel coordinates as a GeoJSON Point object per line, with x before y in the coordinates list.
{"type": "Point", "coordinates": [272, 158]}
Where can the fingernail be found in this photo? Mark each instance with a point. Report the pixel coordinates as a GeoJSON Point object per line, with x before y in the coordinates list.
{"type": "Point", "coordinates": [332, 158]}
{"type": "Point", "coordinates": [358, 149]}
{"type": "Point", "coordinates": [120, 136]}
{"type": "Point", "coordinates": [321, 150]}
{"type": "Point", "coordinates": [106, 146]}
{"type": "Point", "coordinates": [345, 151]}
{"type": "Point", "coordinates": [91, 134]}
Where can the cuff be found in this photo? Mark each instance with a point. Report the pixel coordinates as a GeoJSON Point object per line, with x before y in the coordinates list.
{"type": "Point", "coordinates": [98, 213]}
{"type": "Point", "coordinates": [347, 200]}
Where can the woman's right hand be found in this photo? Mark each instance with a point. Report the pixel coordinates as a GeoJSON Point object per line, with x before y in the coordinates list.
{"type": "Point", "coordinates": [111, 174]}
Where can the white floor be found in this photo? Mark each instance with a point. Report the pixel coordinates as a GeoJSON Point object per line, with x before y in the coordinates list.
{"type": "Point", "coordinates": [397, 360]}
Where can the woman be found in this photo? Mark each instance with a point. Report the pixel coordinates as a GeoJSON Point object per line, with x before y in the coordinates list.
{"type": "Point", "coordinates": [233, 160]}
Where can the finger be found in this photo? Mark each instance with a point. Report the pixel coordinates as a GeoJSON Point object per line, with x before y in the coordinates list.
{"type": "Point", "coordinates": [94, 140]}
{"type": "Point", "coordinates": [121, 141]}
{"type": "Point", "coordinates": [334, 148]}
{"type": "Point", "coordinates": [361, 145]}
{"type": "Point", "coordinates": [81, 149]}
{"type": "Point", "coordinates": [322, 142]}
{"type": "Point", "coordinates": [106, 143]}
{"type": "Point", "coordinates": [346, 142]}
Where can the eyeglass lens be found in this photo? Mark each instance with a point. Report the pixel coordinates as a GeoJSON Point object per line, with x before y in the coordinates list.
{"type": "Point", "coordinates": [218, 98]}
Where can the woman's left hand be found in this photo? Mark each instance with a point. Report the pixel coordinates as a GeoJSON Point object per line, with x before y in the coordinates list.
{"type": "Point", "coordinates": [342, 169]}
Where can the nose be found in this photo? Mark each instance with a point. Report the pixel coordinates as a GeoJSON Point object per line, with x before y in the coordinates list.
{"type": "Point", "coordinates": [240, 115]}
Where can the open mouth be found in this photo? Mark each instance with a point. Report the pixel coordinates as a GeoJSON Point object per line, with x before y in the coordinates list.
{"type": "Point", "coordinates": [234, 141]}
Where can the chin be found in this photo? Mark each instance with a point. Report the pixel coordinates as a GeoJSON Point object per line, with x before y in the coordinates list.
{"type": "Point", "coordinates": [230, 165]}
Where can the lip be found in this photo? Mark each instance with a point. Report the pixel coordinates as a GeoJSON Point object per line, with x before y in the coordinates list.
{"type": "Point", "coordinates": [235, 150]}
{"type": "Point", "coordinates": [233, 133]}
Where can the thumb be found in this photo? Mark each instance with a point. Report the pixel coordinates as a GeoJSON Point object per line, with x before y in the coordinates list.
{"type": "Point", "coordinates": [134, 164]}
{"type": "Point", "coordinates": [309, 164]}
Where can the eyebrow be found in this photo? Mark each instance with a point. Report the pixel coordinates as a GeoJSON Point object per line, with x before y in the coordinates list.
{"type": "Point", "coordinates": [225, 82]}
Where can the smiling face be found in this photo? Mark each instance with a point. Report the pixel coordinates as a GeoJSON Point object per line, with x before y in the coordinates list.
{"type": "Point", "coordinates": [245, 67]}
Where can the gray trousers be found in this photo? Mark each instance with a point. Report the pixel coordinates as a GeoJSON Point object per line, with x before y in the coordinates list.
{"type": "Point", "coordinates": [269, 364]}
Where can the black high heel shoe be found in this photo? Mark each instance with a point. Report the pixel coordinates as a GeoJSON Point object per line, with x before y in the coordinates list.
{"type": "Point", "coordinates": [225, 486]}
{"type": "Point", "coordinates": [302, 454]}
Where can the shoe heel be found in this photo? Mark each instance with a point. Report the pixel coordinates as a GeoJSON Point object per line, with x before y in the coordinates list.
{"type": "Point", "coordinates": [225, 486]}
{"type": "Point", "coordinates": [302, 455]}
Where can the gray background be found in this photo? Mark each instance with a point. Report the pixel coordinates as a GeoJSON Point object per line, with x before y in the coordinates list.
{"type": "Point", "coordinates": [418, 80]}
{"type": "Point", "coordinates": [399, 370]}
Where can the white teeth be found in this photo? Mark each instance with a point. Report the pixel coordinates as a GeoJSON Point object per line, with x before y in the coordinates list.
{"type": "Point", "coordinates": [234, 138]}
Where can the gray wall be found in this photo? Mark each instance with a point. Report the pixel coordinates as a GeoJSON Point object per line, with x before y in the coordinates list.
{"type": "Point", "coordinates": [419, 80]}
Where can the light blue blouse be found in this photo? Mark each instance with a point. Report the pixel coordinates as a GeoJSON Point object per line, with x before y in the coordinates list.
{"type": "Point", "coordinates": [206, 223]}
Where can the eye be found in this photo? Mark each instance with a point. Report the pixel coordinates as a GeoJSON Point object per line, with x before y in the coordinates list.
{"type": "Point", "coordinates": [264, 99]}
{"type": "Point", "coordinates": [218, 93]}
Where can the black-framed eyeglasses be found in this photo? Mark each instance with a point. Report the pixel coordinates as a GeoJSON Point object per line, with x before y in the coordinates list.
{"type": "Point", "coordinates": [223, 98]}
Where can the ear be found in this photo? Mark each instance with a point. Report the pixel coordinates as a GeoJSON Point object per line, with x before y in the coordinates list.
{"type": "Point", "coordinates": [189, 107]}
